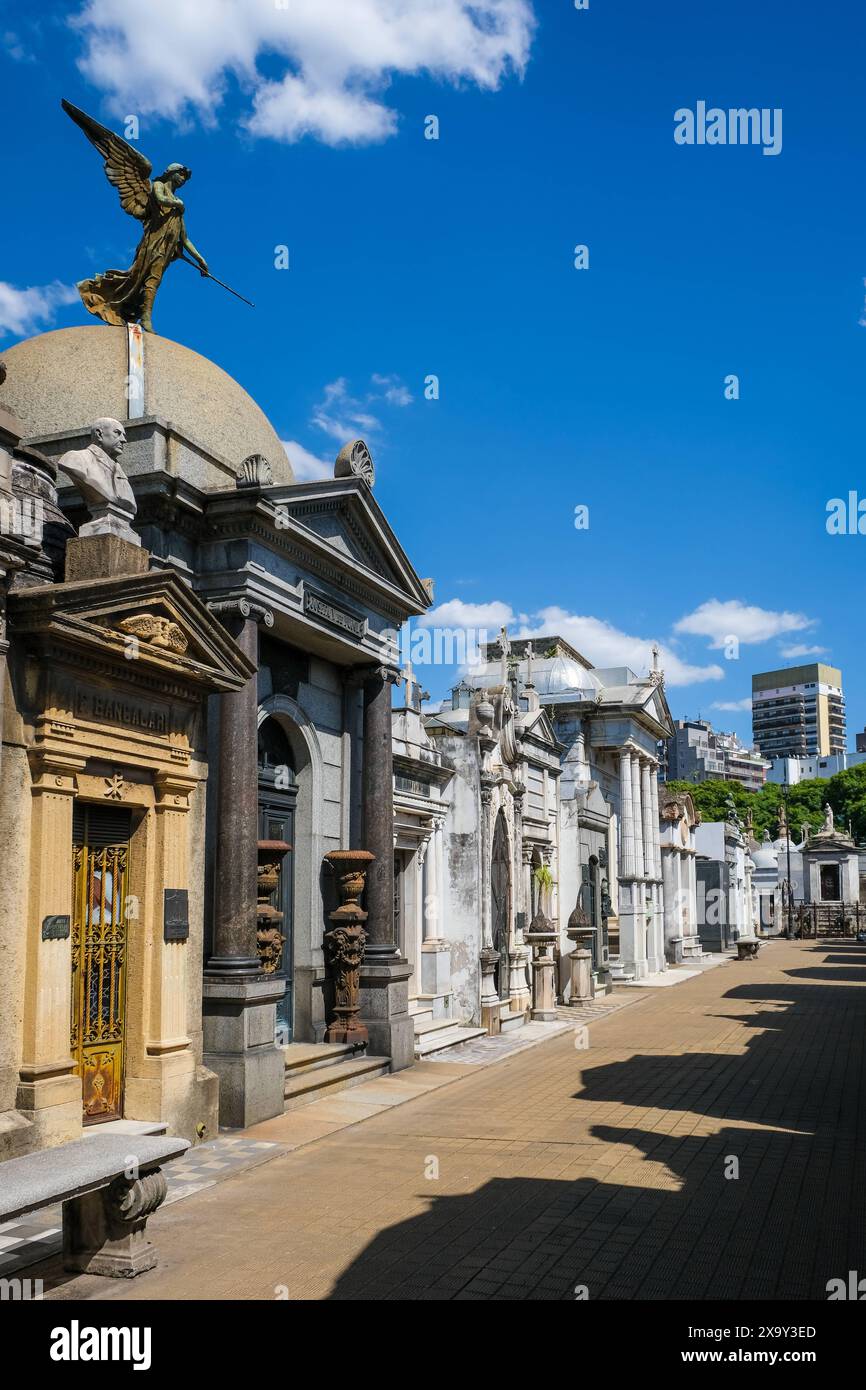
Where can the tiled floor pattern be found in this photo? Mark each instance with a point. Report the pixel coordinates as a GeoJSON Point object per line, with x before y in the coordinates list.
{"type": "Point", "coordinates": [706, 1144]}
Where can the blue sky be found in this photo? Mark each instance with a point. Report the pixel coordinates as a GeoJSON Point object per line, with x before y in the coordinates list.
{"type": "Point", "coordinates": [454, 257]}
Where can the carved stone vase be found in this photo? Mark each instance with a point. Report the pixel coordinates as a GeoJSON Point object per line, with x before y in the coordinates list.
{"type": "Point", "coordinates": [580, 930]}
{"type": "Point", "coordinates": [344, 944]}
{"type": "Point", "coordinates": [542, 938]}
{"type": "Point", "coordinates": [269, 920]}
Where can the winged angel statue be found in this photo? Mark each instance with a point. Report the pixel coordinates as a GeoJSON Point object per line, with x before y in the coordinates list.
{"type": "Point", "coordinates": [126, 296]}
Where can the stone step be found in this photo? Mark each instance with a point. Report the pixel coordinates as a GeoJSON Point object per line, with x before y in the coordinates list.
{"type": "Point", "coordinates": [303, 1087]}
{"type": "Point", "coordinates": [509, 1022]}
{"type": "Point", "coordinates": [313, 1056]}
{"type": "Point", "coordinates": [441, 1039]}
{"type": "Point", "coordinates": [433, 1025]}
{"type": "Point", "coordinates": [618, 970]}
{"type": "Point", "coordinates": [133, 1127]}
{"type": "Point", "coordinates": [420, 1010]}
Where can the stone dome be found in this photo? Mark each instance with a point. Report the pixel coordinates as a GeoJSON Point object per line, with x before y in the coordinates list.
{"type": "Point", "coordinates": [560, 675]}
{"type": "Point", "coordinates": [765, 857]}
{"type": "Point", "coordinates": [64, 380]}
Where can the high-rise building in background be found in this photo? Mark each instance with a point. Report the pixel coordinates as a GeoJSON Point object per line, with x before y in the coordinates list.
{"type": "Point", "coordinates": [799, 711]}
{"type": "Point", "coordinates": [696, 753]}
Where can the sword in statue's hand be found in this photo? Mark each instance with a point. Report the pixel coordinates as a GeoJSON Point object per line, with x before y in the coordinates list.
{"type": "Point", "coordinates": [222, 283]}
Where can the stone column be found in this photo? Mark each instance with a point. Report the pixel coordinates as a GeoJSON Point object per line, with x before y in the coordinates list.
{"type": "Point", "coordinates": [436, 924]}
{"type": "Point", "coordinates": [654, 812]}
{"type": "Point", "coordinates": [489, 958]}
{"type": "Point", "coordinates": [626, 817]}
{"type": "Point", "coordinates": [672, 914]}
{"type": "Point", "coordinates": [638, 817]}
{"type": "Point", "coordinates": [649, 838]}
{"type": "Point", "coordinates": [613, 864]}
{"type": "Point", "coordinates": [425, 923]}
{"type": "Point", "coordinates": [385, 974]}
{"type": "Point", "coordinates": [239, 1000]}
{"type": "Point", "coordinates": [518, 987]}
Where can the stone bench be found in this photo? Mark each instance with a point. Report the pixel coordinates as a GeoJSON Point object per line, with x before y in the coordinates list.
{"type": "Point", "coordinates": [747, 947]}
{"type": "Point", "coordinates": [109, 1185]}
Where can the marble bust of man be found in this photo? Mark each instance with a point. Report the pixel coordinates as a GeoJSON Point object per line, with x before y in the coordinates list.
{"type": "Point", "coordinates": [97, 474]}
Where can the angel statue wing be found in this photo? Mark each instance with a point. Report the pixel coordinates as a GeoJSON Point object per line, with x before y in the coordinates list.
{"type": "Point", "coordinates": [125, 167]}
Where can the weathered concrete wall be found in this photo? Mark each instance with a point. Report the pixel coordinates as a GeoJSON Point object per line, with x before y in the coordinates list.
{"type": "Point", "coordinates": [463, 879]}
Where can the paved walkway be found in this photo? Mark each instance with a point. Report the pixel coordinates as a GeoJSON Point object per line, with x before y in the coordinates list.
{"type": "Point", "coordinates": [708, 1143]}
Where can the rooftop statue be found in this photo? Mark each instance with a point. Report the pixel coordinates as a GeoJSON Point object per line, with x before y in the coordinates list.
{"type": "Point", "coordinates": [126, 296]}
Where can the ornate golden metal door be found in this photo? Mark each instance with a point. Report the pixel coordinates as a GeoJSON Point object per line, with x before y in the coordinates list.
{"type": "Point", "coordinates": [99, 958]}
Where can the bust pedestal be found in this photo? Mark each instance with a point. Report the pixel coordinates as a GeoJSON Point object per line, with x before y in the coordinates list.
{"type": "Point", "coordinates": [104, 556]}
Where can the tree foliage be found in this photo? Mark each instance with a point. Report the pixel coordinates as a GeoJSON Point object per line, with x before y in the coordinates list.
{"type": "Point", "coordinates": [845, 791]}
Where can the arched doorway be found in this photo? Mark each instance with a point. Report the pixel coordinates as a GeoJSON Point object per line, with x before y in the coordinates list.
{"type": "Point", "coordinates": [500, 893]}
{"type": "Point", "coordinates": [278, 794]}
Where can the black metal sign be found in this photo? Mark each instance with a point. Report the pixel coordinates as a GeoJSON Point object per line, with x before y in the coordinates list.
{"type": "Point", "coordinates": [55, 928]}
{"type": "Point", "coordinates": [175, 915]}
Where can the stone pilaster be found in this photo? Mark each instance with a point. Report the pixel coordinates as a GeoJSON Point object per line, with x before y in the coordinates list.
{"type": "Point", "coordinates": [49, 1092]}
{"type": "Point", "coordinates": [385, 974]}
{"type": "Point", "coordinates": [239, 1000]}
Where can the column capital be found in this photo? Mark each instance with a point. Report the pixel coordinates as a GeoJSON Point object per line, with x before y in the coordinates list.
{"type": "Point", "coordinates": [54, 771]}
{"type": "Point", "coordinates": [172, 791]}
{"type": "Point", "coordinates": [241, 608]}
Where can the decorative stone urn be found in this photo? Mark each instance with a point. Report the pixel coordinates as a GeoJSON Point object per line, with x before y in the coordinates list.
{"type": "Point", "coordinates": [344, 943]}
{"type": "Point", "coordinates": [542, 938]}
{"type": "Point", "coordinates": [269, 937]}
{"type": "Point", "coordinates": [580, 930]}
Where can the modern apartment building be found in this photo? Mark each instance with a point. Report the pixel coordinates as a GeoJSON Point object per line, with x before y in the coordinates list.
{"type": "Point", "coordinates": [697, 753]}
{"type": "Point", "coordinates": [799, 712]}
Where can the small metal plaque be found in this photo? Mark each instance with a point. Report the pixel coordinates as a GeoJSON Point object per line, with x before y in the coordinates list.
{"type": "Point", "coordinates": [520, 921]}
{"type": "Point", "coordinates": [175, 915]}
{"type": "Point", "coordinates": [55, 928]}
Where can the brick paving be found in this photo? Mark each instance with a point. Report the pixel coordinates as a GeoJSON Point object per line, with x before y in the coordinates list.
{"type": "Point", "coordinates": [566, 1168]}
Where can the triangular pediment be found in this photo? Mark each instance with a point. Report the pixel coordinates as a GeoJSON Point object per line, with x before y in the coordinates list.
{"type": "Point", "coordinates": [657, 706]}
{"type": "Point", "coordinates": [344, 514]}
{"type": "Point", "coordinates": [150, 622]}
{"type": "Point", "coordinates": [538, 726]}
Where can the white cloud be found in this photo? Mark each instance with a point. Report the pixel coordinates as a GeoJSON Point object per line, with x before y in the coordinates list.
{"type": "Point", "coordinates": [14, 49]}
{"type": "Point", "coordinates": [455, 613]}
{"type": "Point", "coordinates": [733, 705]}
{"type": "Point", "coordinates": [340, 415]}
{"type": "Point", "coordinates": [801, 649]}
{"type": "Point", "coordinates": [344, 416]}
{"type": "Point", "coordinates": [597, 640]}
{"type": "Point", "coordinates": [746, 622]}
{"type": "Point", "coordinates": [21, 311]}
{"type": "Point", "coordinates": [605, 645]}
{"type": "Point", "coordinates": [394, 392]}
{"type": "Point", "coordinates": [306, 466]}
{"type": "Point", "coordinates": [337, 57]}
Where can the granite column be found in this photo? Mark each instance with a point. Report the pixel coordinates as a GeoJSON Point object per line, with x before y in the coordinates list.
{"type": "Point", "coordinates": [385, 974]}
{"type": "Point", "coordinates": [239, 1000]}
